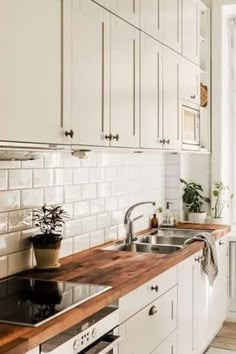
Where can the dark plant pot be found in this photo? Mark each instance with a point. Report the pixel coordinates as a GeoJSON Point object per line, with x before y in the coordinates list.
{"type": "Point", "coordinates": [46, 250]}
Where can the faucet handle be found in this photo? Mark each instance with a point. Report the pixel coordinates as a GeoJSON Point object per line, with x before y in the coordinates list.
{"type": "Point", "coordinates": [137, 217]}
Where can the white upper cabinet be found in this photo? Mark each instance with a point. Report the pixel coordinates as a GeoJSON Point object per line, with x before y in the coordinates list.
{"type": "Point", "coordinates": [126, 9]}
{"type": "Point", "coordinates": [90, 69]}
{"type": "Point", "coordinates": [150, 21]}
{"type": "Point", "coordinates": [189, 81]}
{"type": "Point", "coordinates": [170, 17]}
{"type": "Point", "coordinates": [124, 84]}
{"type": "Point", "coordinates": [191, 30]}
{"type": "Point", "coordinates": [31, 71]}
{"type": "Point", "coordinates": [151, 92]}
{"type": "Point", "coordinates": [162, 20]}
{"type": "Point", "coordinates": [171, 109]}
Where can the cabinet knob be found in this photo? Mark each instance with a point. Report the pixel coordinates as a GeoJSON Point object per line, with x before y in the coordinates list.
{"type": "Point", "coordinates": [163, 141]}
{"type": "Point", "coordinates": [108, 137]}
{"type": "Point", "coordinates": [116, 137]}
{"type": "Point", "coordinates": [69, 133]}
{"type": "Point", "coordinates": [193, 97]}
{"type": "Point", "coordinates": [155, 288]}
{"type": "Point", "coordinates": [167, 141]}
{"type": "Point", "coordinates": [221, 243]}
{"type": "Point", "coordinates": [153, 311]}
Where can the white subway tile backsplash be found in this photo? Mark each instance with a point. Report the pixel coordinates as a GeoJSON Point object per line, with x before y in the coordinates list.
{"type": "Point", "coordinates": [97, 206]}
{"type": "Point", "coordinates": [81, 243]}
{"type": "Point", "coordinates": [9, 164]}
{"type": "Point", "coordinates": [104, 190]}
{"type": "Point", "coordinates": [19, 220]}
{"type": "Point", "coordinates": [97, 238]}
{"type": "Point", "coordinates": [3, 179]}
{"type": "Point", "coordinates": [96, 174]}
{"type": "Point", "coordinates": [72, 194]}
{"type": "Point", "coordinates": [3, 223]}
{"type": "Point", "coordinates": [53, 160]}
{"type": "Point", "coordinates": [31, 198]}
{"type": "Point", "coordinates": [19, 179]}
{"type": "Point", "coordinates": [37, 163]}
{"type": "Point", "coordinates": [111, 233]}
{"type": "Point", "coordinates": [9, 200]}
{"type": "Point", "coordinates": [19, 261]}
{"type": "Point", "coordinates": [95, 192]}
{"type": "Point", "coordinates": [117, 217]}
{"type": "Point", "coordinates": [89, 224]}
{"type": "Point", "coordinates": [89, 191]}
{"type": "Point", "coordinates": [53, 195]}
{"type": "Point", "coordinates": [72, 228]}
{"type": "Point", "coordinates": [80, 175]}
{"type": "Point", "coordinates": [111, 203]}
{"type": "Point", "coordinates": [10, 243]}
{"type": "Point", "coordinates": [43, 178]}
{"type": "Point", "coordinates": [66, 247]}
{"type": "Point", "coordinates": [104, 220]}
{"type": "Point", "coordinates": [81, 209]}
{"type": "Point", "coordinates": [3, 267]}
{"type": "Point", "coordinates": [63, 177]}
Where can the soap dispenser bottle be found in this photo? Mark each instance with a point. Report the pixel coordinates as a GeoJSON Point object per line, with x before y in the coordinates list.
{"type": "Point", "coordinates": [168, 217]}
{"type": "Point", "coordinates": [154, 222]}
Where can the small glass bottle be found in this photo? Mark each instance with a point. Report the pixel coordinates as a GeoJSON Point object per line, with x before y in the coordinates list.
{"type": "Point", "coordinates": [154, 222]}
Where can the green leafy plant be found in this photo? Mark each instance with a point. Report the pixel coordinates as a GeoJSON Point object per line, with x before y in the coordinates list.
{"type": "Point", "coordinates": [50, 219]}
{"type": "Point", "coordinates": [192, 197]}
{"type": "Point", "coordinates": [222, 198]}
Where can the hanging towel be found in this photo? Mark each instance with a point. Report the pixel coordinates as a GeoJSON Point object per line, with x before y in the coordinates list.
{"type": "Point", "coordinates": [210, 262]}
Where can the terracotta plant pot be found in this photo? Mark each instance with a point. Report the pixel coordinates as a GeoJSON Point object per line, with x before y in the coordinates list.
{"type": "Point", "coordinates": [46, 250]}
{"type": "Point", "coordinates": [198, 218]}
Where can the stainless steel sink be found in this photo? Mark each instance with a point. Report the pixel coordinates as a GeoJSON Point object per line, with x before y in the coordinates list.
{"type": "Point", "coordinates": [164, 240]}
{"type": "Point", "coordinates": [145, 248]}
{"type": "Point", "coordinates": [178, 232]}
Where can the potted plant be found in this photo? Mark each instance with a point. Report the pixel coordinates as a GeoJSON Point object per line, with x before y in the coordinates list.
{"type": "Point", "coordinates": [46, 244]}
{"type": "Point", "coordinates": [221, 199]}
{"type": "Point", "coordinates": [194, 201]}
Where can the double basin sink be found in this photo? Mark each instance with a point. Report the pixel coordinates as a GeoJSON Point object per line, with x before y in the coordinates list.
{"type": "Point", "coordinates": [163, 241]}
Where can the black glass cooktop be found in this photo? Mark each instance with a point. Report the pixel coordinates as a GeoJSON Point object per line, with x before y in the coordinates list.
{"type": "Point", "coordinates": [31, 302]}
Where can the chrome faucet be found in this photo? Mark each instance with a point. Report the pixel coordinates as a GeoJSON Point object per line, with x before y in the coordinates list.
{"type": "Point", "coordinates": [129, 223]}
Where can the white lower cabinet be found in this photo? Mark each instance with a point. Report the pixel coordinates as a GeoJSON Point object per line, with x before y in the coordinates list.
{"type": "Point", "coordinates": [169, 346]}
{"type": "Point", "coordinates": [148, 328]}
{"type": "Point", "coordinates": [34, 351]}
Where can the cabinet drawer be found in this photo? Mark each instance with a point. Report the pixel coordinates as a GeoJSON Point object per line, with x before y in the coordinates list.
{"type": "Point", "coordinates": [146, 330]}
{"type": "Point", "coordinates": [169, 346]}
{"type": "Point", "coordinates": [146, 293]}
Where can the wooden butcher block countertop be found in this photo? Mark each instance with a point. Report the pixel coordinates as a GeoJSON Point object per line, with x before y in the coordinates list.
{"type": "Point", "coordinates": [124, 271]}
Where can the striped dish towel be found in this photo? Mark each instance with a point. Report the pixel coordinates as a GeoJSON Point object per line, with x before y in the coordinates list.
{"type": "Point", "coordinates": [210, 262]}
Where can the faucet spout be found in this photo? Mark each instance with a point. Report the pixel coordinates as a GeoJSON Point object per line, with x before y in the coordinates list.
{"type": "Point", "coordinates": [128, 222]}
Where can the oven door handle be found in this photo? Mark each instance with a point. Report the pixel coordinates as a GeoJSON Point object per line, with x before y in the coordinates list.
{"type": "Point", "coordinates": [112, 341]}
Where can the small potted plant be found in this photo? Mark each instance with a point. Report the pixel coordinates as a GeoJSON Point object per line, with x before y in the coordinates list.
{"type": "Point", "coordinates": [221, 199]}
{"type": "Point", "coordinates": [194, 201]}
{"type": "Point", "coordinates": [46, 244]}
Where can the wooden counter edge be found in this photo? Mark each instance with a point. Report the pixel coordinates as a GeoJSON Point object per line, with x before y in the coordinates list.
{"type": "Point", "coordinates": [17, 346]}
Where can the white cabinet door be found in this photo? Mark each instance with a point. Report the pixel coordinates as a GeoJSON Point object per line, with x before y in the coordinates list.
{"type": "Point", "coordinates": [169, 346]}
{"type": "Point", "coordinates": [150, 21]}
{"type": "Point", "coordinates": [191, 30]}
{"type": "Point", "coordinates": [170, 18]}
{"type": "Point", "coordinates": [90, 70]}
{"type": "Point", "coordinates": [151, 92]}
{"type": "Point", "coordinates": [201, 305]}
{"type": "Point", "coordinates": [186, 295]}
{"type": "Point", "coordinates": [126, 9]}
{"type": "Point", "coordinates": [31, 71]}
{"type": "Point", "coordinates": [189, 82]}
{"type": "Point", "coordinates": [143, 332]}
{"type": "Point", "coordinates": [124, 81]}
{"type": "Point", "coordinates": [171, 111]}
{"type": "Point", "coordinates": [218, 292]}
